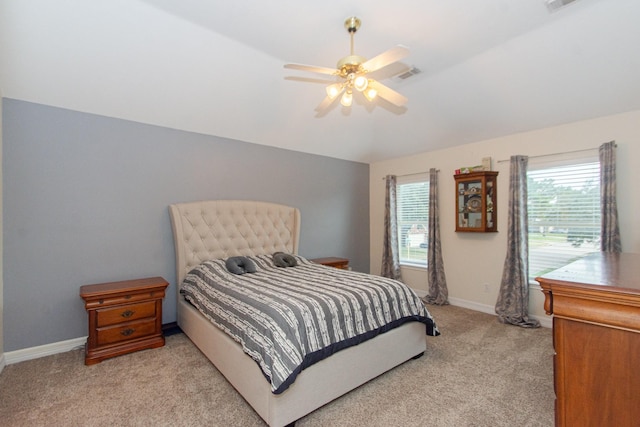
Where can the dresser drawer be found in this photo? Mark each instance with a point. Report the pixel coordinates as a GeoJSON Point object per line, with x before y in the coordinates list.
{"type": "Point", "coordinates": [126, 332]}
{"type": "Point", "coordinates": [125, 313]}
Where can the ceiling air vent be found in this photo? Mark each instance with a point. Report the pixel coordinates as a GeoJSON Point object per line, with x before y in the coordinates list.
{"type": "Point", "coordinates": [554, 5]}
{"type": "Point", "coordinates": [409, 73]}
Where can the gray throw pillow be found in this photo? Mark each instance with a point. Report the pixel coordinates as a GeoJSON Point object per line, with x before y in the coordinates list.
{"type": "Point", "coordinates": [281, 259]}
{"type": "Point", "coordinates": [240, 265]}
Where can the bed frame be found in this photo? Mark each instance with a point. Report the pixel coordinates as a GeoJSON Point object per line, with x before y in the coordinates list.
{"type": "Point", "coordinates": [220, 229]}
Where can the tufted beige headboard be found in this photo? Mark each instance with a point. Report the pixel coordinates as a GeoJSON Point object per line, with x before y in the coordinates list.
{"type": "Point", "coordinates": [223, 228]}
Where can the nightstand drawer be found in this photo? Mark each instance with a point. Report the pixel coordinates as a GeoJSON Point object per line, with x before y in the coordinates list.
{"type": "Point", "coordinates": [126, 332]}
{"type": "Point", "coordinates": [119, 299]}
{"type": "Point", "coordinates": [125, 313]}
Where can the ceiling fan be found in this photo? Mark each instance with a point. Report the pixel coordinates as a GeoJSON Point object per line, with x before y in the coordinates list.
{"type": "Point", "coordinates": [351, 74]}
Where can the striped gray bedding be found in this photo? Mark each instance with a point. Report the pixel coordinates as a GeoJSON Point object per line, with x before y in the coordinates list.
{"type": "Point", "coordinates": [286, 319]}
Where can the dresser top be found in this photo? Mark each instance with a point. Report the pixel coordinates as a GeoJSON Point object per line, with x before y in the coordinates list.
{"type": "Point", "coordinates": [606, 271]}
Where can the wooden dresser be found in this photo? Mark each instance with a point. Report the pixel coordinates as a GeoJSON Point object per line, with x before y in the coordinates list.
{"type": "Point", "coordinates": [123, 317]}
{"type": "Point", "coordinates": [596, 335]}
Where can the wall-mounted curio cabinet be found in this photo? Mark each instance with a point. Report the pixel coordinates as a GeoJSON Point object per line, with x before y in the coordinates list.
{"type": "Point", "coordinates": [476, 204]}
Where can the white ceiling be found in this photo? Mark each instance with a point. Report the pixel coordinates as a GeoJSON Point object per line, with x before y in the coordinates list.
{"type": "Point", "coordinates": [489, 67]}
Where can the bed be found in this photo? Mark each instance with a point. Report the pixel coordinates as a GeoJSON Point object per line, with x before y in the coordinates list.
{"type": "Point", "coordinates": [212, 230]}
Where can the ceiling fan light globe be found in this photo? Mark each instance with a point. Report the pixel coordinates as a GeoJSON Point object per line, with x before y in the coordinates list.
{"type": "Point", "coordinates": [334, 90]}
{"type": "Point", "coordinates": [370, 94]}
{"type": "Point", "coordinates": [347, 99]}
{"type": "Point", "coordinates": [360, 83]}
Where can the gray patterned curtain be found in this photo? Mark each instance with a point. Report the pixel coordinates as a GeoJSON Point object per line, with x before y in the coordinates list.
{"type": "Point", "coordinates": [438, 292]}
{"type": "Point", "coordinates": [390, 255]}
{"type": "Point", "coordinates": [610, 238]}
{"type": "Point", "coordinates": [513, 301]}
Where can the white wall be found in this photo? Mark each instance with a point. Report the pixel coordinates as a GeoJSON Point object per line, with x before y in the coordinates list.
{"type": "Point", "coordinates": [475, 259]}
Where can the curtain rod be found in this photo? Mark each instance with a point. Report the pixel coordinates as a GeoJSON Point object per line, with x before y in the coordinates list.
{"type": "Point", "coordinates": [557, 154]}
{"type": "Point", "coordinates": [410, 174]}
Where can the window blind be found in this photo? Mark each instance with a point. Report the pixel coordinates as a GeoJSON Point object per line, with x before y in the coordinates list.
{"type": "Point", "coordinates": [564, 214]}
{"type": "Point", "coordinates": [413, 220]}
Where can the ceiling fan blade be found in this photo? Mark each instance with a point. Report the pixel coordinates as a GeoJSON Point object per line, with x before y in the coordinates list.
{"type": "Point", "coordinates": [385, 58]}
{"type": "Point", "coordinates": [389, 94]}
{"type": "Point", "coordinates": [326, 103]}
{"type": "Point", "coordinates": [309, 80]}
{"type": "Point", "coordinates": [390, 71]}
{"type": "Point", "coordinates": [311, 68]}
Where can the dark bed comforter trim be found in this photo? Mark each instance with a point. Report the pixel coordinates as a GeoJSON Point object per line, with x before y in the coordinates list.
{"type": "Point", "coordinates": [323, 353]}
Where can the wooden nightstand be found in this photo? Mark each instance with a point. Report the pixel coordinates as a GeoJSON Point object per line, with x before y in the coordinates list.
{"type": "Point", "coordinates": [123, 317]}
{"type": "Point", "coordinates": [342, 263]}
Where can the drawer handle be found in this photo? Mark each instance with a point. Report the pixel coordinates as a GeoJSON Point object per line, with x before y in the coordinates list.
{"type": "Point", "coordinates": [127, 332]}
{"type": "Point", "coordinates": [127, 313]}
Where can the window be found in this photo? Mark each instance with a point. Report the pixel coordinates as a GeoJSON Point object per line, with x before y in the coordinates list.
{"type": "Point", "coordinates": [413, 219]}
{"type": "Point", "coordinates": [564, 213]}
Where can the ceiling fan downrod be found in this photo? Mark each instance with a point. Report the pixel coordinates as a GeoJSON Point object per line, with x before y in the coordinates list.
{"type": "Point", "coordinates": [352, 25]}
{"type": "Point", "coordinates": [351, 64]}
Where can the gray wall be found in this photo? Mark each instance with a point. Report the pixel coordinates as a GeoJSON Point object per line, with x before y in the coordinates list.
{"type": "Point", "coordinates": [86, 196]}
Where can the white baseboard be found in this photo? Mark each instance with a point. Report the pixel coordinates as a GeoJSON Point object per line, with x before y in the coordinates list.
{"type": "Point", "coordinates": [43, 350]}
{"type": "Point", "coordinates": [483, 308]}
{"type": "Point", "coordinates": [11, 357]}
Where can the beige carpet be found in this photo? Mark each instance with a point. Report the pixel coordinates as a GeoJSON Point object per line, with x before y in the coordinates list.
{"type": "Point", "coordinates": [477, 373]}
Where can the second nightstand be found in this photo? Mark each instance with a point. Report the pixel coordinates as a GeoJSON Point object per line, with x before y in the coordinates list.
{"type": "Point", "coordinates": [342, 263]}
